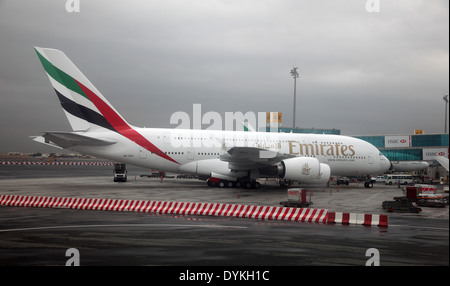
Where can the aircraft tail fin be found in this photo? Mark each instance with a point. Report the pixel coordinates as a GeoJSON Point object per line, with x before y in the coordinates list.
{"type": "Point", "coordinates": [84, 106]}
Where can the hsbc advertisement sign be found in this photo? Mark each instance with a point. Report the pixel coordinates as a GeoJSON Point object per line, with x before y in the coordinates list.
{"type": "Point", "coordinates": [397, 141]}
{"type": "Point", "coordinates": [431, 153]}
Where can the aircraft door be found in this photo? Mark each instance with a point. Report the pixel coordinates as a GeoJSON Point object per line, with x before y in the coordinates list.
{"type": "Point", "coordinates": [190, 154]}
{"type": "Point", "coordinates": [142, 153]}
{"type": "Point", "coordinates": [166, 137]}
{"type": "Point", "coordinates": [371, 159]}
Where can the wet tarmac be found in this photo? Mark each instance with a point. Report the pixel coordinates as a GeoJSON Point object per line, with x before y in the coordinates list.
{"type": "Point", "coordinates": [41, 236]}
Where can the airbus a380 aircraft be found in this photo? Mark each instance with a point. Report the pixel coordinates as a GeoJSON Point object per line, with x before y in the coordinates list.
{"type": "Point", "coordinates": [227, 158]}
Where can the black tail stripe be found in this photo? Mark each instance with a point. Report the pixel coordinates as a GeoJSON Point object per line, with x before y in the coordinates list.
{"type": "Point", "coordinates": [83, 112]}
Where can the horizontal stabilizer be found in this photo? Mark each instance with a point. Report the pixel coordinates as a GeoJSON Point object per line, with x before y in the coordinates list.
{"type": "Point", "coordinates": [42, 140]}
{"type": "Point", "coordinates": [68, 139]}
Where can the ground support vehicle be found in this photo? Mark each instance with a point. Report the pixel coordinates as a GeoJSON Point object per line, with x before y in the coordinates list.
{"type": "Point", "coordinates": [120, 172]}
{"type": "Point", "coordinates": [401, 204]}
{"type": "Point", "coordinates": [296, 199]}
{"type": "Point", "coordinates": [431, 200]}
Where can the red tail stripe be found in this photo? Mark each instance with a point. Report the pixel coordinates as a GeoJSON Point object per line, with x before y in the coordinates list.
{"type": "Point", "coordinates": [120, 125]}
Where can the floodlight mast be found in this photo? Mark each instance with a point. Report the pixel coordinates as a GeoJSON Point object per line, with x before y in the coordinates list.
{"type": "Point", "coordinates": [445, 98]}
{"type": "Point", "coordinates": [294, 74]}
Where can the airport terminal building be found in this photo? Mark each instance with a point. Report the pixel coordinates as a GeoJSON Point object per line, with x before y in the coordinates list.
{"type": "Point", "coordinates": [417, 147]}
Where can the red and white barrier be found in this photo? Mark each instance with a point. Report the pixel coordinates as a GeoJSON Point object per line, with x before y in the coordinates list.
{"type": "Point", "coordinates": [160, 207]}
{"type": "Point", "coordinates": [429, 189]}
{"type": "Point", "coordinates": [57, 163]}
{"type": "Point", "coordinates": [361, 219]}
{"type": "Point", "coordinates": [187, 208]}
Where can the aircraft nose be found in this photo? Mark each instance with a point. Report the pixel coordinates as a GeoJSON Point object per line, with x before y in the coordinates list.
{"type": "Point", "coordinates": [385, 163]}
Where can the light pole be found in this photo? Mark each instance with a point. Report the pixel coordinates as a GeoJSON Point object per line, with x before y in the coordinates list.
{"type": "Point", "coordinates": [294, 74]}
{"type": "Point", "coordinates": [445, 98]}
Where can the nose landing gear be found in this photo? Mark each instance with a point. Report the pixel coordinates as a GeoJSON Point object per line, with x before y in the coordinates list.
{"type": "Point", "coordinates": [369, 183]}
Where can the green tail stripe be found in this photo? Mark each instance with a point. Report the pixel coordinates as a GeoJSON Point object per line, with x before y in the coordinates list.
{"type": "Point", "coordinates": [60, 76]}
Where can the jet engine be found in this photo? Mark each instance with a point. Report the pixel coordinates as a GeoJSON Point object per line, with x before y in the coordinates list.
{"type": "Point", "coordinates": [304, 170]}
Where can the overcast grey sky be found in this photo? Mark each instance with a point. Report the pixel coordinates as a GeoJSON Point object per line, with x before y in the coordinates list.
{"type": "Point", "coordinates": [363, 73]}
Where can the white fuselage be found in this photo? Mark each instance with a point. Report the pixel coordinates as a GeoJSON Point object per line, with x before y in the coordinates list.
{"type": "Point", "coordinates": [346, 156]}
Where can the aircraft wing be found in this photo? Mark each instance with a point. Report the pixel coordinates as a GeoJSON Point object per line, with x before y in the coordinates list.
{"type": "Point", "coordinates": [244, 158]}
{"type": "Point", "coordinates": [69, 139]}
{"type": "Point", "coordinates": [443, 161]}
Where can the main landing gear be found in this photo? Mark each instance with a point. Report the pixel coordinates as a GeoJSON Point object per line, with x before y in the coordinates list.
{"type": "Point", "coordinates": [251, 184]}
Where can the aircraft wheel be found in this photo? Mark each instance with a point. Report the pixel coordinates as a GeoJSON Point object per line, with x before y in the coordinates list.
{"type": "Point", "coordinates": [368, 185]}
